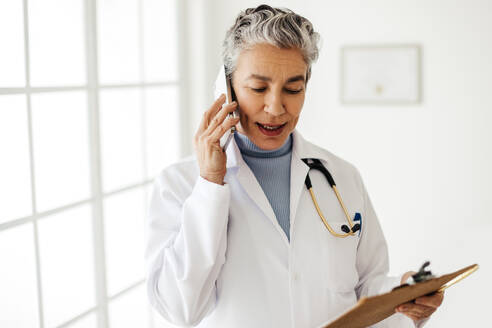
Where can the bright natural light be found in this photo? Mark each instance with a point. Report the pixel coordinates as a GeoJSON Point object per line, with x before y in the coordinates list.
{"type": "Point", "coordinates": [56, 42]}
{"type": "Point", "coordinates": [159, 16]}
{"type": "Point", "coordinates": [14, 169]}
{"type": "Point", "coordinates": [119, 48]}
{"type": "Point", "coordinates": [89, 115]}
{"type": "Point", "coordinates": [123, 228]}
{"type": "Point", "coordinates": [67, 264]}
{"type": "Point", "coordinates": [160, 126]}
{"type": "Point", "coordinates": [121, 137]}
{"type": "Point", "coordinates": [12, 59]}
{"type": "Point", "coordinates": [19, 301]}
{"type": "Point", "coordinates": [61, 147]}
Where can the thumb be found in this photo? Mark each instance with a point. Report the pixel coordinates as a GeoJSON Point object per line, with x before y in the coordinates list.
{"type": "Point", "coordinates": [406, 275]}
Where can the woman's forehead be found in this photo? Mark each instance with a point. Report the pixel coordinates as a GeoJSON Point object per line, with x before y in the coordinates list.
{"type": "Point", "coordinates": [269, 62]}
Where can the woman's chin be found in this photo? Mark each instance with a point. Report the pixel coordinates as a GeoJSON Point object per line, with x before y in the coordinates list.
{"type": "Point", "coordinates": [269, 143]}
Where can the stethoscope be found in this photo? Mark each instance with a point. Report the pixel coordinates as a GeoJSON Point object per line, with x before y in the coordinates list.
{"type": "Point", "coordinates": [317, 165]}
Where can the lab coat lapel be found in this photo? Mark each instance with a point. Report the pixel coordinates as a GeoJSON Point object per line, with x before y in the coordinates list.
{"type": "Point", "coordinates": [301, 149]}
{"type": "Point", "coordinates": [247, 180]}
{"type": "Point", "coordinates": [298, 172]}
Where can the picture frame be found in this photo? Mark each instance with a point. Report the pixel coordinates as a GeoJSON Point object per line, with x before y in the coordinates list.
{"type": "Point", "coordinates": [381, 74]}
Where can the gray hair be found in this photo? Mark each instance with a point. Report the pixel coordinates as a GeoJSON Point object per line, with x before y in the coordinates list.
{"type": "Point", "coordinates": [280, 27]}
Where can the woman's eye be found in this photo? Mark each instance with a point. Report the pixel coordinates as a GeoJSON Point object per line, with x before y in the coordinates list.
{"type": "Point", "coordinates": [291, 91]}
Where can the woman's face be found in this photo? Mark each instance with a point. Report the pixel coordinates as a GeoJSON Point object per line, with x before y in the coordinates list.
{"type": "Point", "coordinates": [270, 86]}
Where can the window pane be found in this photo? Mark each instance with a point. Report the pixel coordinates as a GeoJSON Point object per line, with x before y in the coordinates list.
{"type": "Point", "coordinates": [56, 41]}
{"type": "Point", "coordinates": [121, 138]}
{"type": "Point", "coordinates": [118, 41]}
{"type": "Point", "coordinates": [60, 133]}
{"type": "Point", "coordinates": [162, 128]}
{"type": "Point", "coordinates": [160, 37]}
{"type": "Point", "coordinates": [67, 264]}
{"type": "Point", "coordinates": [18, 296]}
{"type": "Point", "coordinates": [123, 228]}
{"type": "Point", "coordinates": [89, 321]}
{"type": "Point", "coordinates": [14, 167]}
{"type": "Point", "coordinates": [130, 310]}
{"type": "Point", "coordinates": [12, 44]}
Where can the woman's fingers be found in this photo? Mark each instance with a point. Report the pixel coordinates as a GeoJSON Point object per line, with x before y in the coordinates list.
{"type": "Point", "coordinates": [219, 117]}
{"type": "Point", "coordinates": [211, 159]}
{"type": "Point", "coordinates": [415, 311]}
{"type": "Point", "coordinates": [434, 300]}
{"type": "Point", "coordinates": [210, 113]}
{"type": "Point", "coordinates": [222, 128]}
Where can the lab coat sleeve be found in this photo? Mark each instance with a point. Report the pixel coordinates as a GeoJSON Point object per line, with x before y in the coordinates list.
{"type": "Point", "coordinates": [185, 248]}
{"type": "Point", "coordinates": [373, 261]}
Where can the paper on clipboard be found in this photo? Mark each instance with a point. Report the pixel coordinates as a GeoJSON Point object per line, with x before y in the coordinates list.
{"type": "Point", "coordinates": [370, 310]}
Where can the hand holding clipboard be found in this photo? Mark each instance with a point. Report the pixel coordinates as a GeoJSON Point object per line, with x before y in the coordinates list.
{"type": "Point", "coordinates": [370, 310]}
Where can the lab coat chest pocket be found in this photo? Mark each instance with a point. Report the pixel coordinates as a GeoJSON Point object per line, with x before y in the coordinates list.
{"type": "Point", "coordinates": [337, 254]}
{"type": "Point", "coordinates": [341, 256]}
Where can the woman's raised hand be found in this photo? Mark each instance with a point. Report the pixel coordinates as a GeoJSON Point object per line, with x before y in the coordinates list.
{"type": "Point", "coordinates": [211, 159]}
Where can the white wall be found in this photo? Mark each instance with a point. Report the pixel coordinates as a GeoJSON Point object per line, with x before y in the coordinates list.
{"type": "Point", "coordinates": [426, 166]}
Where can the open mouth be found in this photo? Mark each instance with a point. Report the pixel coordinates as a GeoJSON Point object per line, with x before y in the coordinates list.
{"type": "Point", "coordinates": [271, 129]}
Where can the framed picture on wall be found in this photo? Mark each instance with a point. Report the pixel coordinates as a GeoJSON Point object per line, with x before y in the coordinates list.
{"type": "Point", "coordinates": [381, 74]}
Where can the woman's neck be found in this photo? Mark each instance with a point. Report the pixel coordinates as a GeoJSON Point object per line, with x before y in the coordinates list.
{"type": "Point", "coordinates": [248, 148]}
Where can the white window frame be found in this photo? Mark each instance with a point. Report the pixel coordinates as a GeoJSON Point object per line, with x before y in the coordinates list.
{"type": "Point", "coordinates": [93, 88]}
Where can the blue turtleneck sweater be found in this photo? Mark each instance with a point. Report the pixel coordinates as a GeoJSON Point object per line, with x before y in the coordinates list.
{"type": "Point", "coordinates": [272, 170]}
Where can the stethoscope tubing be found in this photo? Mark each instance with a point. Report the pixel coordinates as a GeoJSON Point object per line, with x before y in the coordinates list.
{"type": "Point", "coordinates": [317, 165]}
{"type": "Point", "coordinates": [327, 225]}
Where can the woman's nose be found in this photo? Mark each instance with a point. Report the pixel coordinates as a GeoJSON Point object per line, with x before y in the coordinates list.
{"type": "Point", "coordinates": [274, 105]}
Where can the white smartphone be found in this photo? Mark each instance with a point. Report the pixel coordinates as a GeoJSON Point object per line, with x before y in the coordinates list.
{"type": "Point", "coordinates": [223, 85]}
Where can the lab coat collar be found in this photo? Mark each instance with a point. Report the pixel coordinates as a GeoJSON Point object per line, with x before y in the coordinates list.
{"type": "Point", "coordinates": [238, 167]}
{"type": "Point", "coordinates": [305, 149]}
{"type": "Point", "coordinates": [234, 157]}
{"type": "Point", "coordinates": [301, 149]}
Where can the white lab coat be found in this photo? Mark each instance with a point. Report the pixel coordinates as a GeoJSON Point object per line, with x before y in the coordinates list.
{"type": "Point", "coordinates": [217, 257]}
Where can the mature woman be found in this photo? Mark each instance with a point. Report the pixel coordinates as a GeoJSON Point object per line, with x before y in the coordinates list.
{"type": "Point", "coordinates": [234, 238]}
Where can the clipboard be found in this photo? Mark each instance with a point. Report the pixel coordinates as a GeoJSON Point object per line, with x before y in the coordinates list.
{"type": "Point", "coordinates": [370, 310]}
